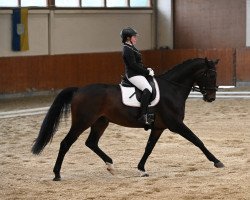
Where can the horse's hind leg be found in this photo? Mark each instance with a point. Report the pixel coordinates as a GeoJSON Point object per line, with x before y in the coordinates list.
{"type": "Point", "coordinates": [65, 145]}
{"type": "Point", "coordinates": [96, 132]}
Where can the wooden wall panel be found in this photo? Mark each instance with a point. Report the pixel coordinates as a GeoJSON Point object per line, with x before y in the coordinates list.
{"type": "Point", "coordinates": [153, 59]}
{"type": "Point", "coordinates": [19, 74]}
{"type": "Point", "coordinates": [226, 65]}
{"type": "Point", "coordinates": [206, 24]}
{"type": "Point", "coordinates": [34, 73]}
{"type": "Point", "coordinates": [242, 66]}
{"type": "Point", "coordinates": [172, 58]}
{"type": "Point", "coordinates": [225, 68]}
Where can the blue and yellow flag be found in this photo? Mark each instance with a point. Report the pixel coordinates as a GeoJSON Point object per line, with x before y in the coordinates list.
{"type": "Point", "coordinates": [20, 40]}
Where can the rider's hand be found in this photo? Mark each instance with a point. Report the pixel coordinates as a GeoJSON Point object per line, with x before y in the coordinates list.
{"type": "Point", "coordinates": [151, 72]}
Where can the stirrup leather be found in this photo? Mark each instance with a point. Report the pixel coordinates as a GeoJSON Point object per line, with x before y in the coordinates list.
{"type": "Point", "coordinates": [147, 119]}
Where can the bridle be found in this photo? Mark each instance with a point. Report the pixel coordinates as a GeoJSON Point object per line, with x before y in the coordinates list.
{"type": "Point", "coordinates": [205, 84]}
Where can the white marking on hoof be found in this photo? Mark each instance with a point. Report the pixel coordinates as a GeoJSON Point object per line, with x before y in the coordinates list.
{"type": "Point", "coordinates": [110, 168]}
{"type": "Point", "coordinates": [143, 174]}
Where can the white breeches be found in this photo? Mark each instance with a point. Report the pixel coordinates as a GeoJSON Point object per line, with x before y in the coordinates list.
{"type": "Point", "coordinates": [141, 83]}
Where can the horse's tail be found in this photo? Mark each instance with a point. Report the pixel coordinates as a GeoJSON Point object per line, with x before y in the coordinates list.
{"type": "Point", "coordinates": [52, 119]}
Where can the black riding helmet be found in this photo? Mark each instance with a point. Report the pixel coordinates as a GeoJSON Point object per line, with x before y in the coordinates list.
{"type": "Point", "coordinates": [127, 32]}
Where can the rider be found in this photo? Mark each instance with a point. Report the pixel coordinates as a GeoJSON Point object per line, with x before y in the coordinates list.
{"type": "Point", "coordinates": [135, 71]}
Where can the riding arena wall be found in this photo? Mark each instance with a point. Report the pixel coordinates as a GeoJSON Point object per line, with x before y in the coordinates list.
{"type": "Point", "coordinates": [52, 72]}
{"type": "Point", "coordinates": [78, 47]}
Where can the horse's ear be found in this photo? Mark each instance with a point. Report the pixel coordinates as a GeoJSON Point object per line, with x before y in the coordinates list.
{"type": "Point", "coordinates": [216, 61]}
{"type": "Point", "coordinates": [206, 60]}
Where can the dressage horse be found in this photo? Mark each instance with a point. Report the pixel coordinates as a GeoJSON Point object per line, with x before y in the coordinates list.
{"type": "Point", "coordinates": [96, 105]}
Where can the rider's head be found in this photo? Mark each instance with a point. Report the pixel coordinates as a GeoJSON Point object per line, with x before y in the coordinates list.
{"type": "Point", "coordinates": [128, 35]}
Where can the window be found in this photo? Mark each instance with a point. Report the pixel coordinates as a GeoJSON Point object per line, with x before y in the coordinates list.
{"type": "Point", "coordinates": [67, 3]}
{"type": "Point", "coordinates": [104, 3]}
{"type": "Point", "coordinates": [39, 3]}
{"type": "Point", "coordinates": [92, 3]}
{"type": "Point", "coordinates": [117, 3]}
{"type": "Point", "coordinates": [9, 3]}
{"type": "Point", "coordinates": [140, 3]}
{"type": "Point", "coordinates": [77, 3]}
{"type": "Point", "coordinates": [23, 3]}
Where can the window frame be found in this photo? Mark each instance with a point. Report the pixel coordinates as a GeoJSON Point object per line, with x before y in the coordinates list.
{"type": "Point", "coordinates": [51, 6]}
{"type": "Point", "coordinates": [19, 6]}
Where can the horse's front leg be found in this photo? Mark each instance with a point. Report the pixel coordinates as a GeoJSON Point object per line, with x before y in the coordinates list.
{"type": "Point", "coordinates": [185, 132]}
{"type": "Point", "coordinates": [153, 138]}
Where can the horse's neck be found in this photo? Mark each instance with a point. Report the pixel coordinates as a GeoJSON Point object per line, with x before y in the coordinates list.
{"type": "Point", "coordinates": [184, 75]}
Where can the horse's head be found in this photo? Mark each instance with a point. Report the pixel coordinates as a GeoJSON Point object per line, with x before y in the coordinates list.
{"type": "Point", "coordinates": [206, 80]}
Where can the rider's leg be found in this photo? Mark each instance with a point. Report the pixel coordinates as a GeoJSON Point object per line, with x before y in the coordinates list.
{"type": "Point", "coordinates": [142, 84]}
{"type": "Point", "coordinates": [145, 100]}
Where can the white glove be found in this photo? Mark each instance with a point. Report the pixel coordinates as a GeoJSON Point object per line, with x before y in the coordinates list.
{"type": "Point", "coordinates": [151, 72]}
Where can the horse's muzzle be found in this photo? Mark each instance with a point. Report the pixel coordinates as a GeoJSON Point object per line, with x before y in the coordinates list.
{"type": "Point", "coordinates": [211, 99]}
{"type": "Point", "coordinates": [208, 99]}
{"type": "Point", "coordinates": [209, 95]}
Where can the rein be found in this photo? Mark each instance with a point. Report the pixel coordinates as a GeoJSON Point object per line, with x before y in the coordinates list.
{"type": "Point", "coordinates": [178, 84]}
{"type": "Point", "coordinates": [193, 88]}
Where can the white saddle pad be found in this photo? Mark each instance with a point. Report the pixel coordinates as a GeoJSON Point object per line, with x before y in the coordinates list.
{"type": "Point", "coordinates": [130, 100]}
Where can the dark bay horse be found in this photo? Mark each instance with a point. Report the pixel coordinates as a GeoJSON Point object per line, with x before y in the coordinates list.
{"type": "Point", "coordinates": [98, 104]}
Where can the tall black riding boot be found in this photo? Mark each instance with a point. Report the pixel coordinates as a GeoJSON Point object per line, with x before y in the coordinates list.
{"type": "Point", "coordinates": [145, 100]}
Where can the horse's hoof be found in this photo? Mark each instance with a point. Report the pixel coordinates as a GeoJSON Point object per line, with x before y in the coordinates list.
{"type": "Point", "coordinates": [219, 165]}
{"type": "Point", "coordinates": [110, 168]}
{"type": "Point", "coordinates": [143, 174]}
{"type": "Point", "coordinates": [57, 179]}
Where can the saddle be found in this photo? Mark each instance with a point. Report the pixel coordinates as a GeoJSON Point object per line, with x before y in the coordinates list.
{"type": "Point", "coordinates": [131, 96]}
